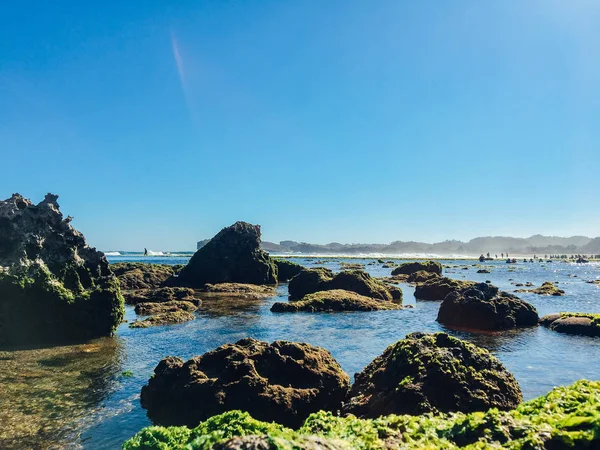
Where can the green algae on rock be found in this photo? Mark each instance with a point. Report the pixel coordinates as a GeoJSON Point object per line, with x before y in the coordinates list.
{"type": "Point", "coordinates": [287, 269]}
{"type": "Point", "coordinates": [283, 382]}
{"type": "Point", "coordinates": [565, 418]}
{"type": "Point", "coordinates": [584, 324]}
{"type": "Point", "coordinates": [164, 318]}
{"type": "Point", "coordinates": [438, 288]}
{"type": "Point", "coordinates": [172, 306]}
{"type": "Point", "coordinates": [135, 275]}
{"type": "Point", "coordinates": [334, 300]}
{"type": "Point", "coordinates": [547, 288]}
{"type": "Point", "coordinates": [233, 255]}
{"type": "Point", "coordinates": [160, 295]}
{"type": "Point", "coordinates": [53, 286]}
{"type": "Point", "coordinates": [319, 279]}
{"type": "Point", "coordinates": [412, 267]}
{"type": "Point", "coordinates": [432, 373]}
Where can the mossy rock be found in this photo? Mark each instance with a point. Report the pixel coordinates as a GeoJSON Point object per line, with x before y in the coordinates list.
{"type": "Point", "coordinates": [547, 288]}
{"type": "Point", "coordinates": [146, 309]}
{"type": "Point", "coordinates": [143, 275]}
{"type": "Point", "coordinates": [287, 269]}
{"type": "Point", "coordinates": [565, 418]}
{"type": "Point", "coordinates": [432, 373]}
{"type": "Point", "coordinates": [283, 382]}
{"type": "Point", "coordinates": [160, 295]}
{"type": "Point", "coordinates": [484, 307]}
{"type": "Point", "coordinates": [310, 281]}
{"type": "Point", "coordinates": [438, 288]}
{"type": "Point", "coordinates": [334, 301]}
{"type": "Point", "coordinates": [238, 289]}
{"type": "Point", "coordinates": [232, 256]}
{"type": "Point", "coordinates": [420, 276]}
{"type": "Point", "coordinates": [53, 286]}
{"type": "Point", "coordinates": [583, 324]}
{"type": "Point", "coordinates": [412, 267]}
{"type": "Point", "coordinates": [164, 318]}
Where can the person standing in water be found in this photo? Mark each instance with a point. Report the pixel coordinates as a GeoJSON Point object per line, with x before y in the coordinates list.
{"type": "Point", "coordinates": [145, 252]}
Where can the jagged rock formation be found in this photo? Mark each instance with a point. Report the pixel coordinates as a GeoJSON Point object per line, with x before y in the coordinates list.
{"type": "Point", "coordinates": [484, 307]}
{"type": "Point", "coordinates": [322, 279]}
{"type": "Point", "coordinates": [233, 255]}
{"type": "Point", "coordinates": [432, 373]}
{"type": "Point", "coordinates": [282, 382]}
{"type": "Point", "coordinates": [334, 300]}
{"type": "Point", "coordinates": [53, 286]}
{"type": "Point", "coordinates": [287, 269]}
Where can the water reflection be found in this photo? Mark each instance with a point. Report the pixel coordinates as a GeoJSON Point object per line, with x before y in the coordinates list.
{"type": "Point", "coordinates": [46, 394]}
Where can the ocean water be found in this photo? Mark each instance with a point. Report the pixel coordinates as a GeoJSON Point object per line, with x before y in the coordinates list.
{"type": "Point", "coordinates": [87, 395]}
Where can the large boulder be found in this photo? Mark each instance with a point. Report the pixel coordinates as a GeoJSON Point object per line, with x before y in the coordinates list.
{"type": "Point", "coordinates": [439, 287]}
{"type": "Point", "coordinates": [334, 300]}
{"type": "Point", "coordinates": [484, 307]}
{"type": "Point", "coordinates": [53, 286]}
{"type": "Point", "coordinates": [583, 324]}
{"type": "Point", "coordinates": [321, 279]}
{"type": "Point", "coordinates": [426, 373]}
{"type": "Point", "coordinates": [282, 382]}
{"type": "Point", "coordinates": [287, 269]}
{"type": "Point", "coordinates": [233, 255]}
{"type": "Point", "coordinates": [143, 275]}
{"type": "Point", "coordinates": [412, 267]}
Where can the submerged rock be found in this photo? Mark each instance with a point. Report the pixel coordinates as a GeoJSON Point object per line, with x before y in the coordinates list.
{"type": "Point", "coordinates": [412, 267]}
{"type": "Point", "coordinates": [547, 288]}
{"type": "Point", "coordinates": [432, 373]}
{"type": "Point", "coordinates": [484, 307]}
{"type": "Point", "coordinates": [232, 256]}
{"type": "Point", "coordinates": [334, 300]}
{"type": "Point", "coordinates": [143, 275]}
{"type": "Point", "coordinates": [160, 295]}
{"type": "Point", "coordinates": [156, 308]}
{"type": "Point", "coordinates": [438, 288]}
{"type": "Point", "coordinates": [166, 318]}
{"type": "Point", "coordinates": [53, 286]}
{"type": "Point", "coordinates": [583, 324]}
{"type": "Point", "coordinates": [287, 269]}
{"type": "Point", "coordinates": [321, 279]}
{"type": "Point", "coordinates": [282, 382]}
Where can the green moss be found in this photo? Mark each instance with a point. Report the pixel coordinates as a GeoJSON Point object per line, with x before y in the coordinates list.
{"type": "Point", "coordinates": [595, 317]}
{"type": "Point", "coordinates": [567, 417]}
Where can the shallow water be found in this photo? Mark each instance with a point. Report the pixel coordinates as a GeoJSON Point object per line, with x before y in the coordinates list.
{"type": "Point", "coordinates": [78, 396]}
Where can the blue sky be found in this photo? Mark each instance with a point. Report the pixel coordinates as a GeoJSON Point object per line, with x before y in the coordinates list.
{"type": "Point", "coordinates": [349, 121]}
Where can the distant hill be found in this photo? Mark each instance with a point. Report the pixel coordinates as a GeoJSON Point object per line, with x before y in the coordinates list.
{"type": "Point", "coordinates": [537, 244]}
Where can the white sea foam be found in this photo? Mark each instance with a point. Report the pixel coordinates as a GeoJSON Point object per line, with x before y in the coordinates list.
{"type": "Point", "coordinates": [112, 253]}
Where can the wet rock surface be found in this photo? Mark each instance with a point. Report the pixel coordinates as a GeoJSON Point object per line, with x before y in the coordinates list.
{"type": "Point", "coordinates": [53, 286]}
{"type": "Point", "coordinates": [334, 300]}
{"type": "Point", "coordinates": [233, 255]}
{"type": "Point", "coordinates": [321, 279]}
{"type": "Point", "coordinates": [156, 308]}
{"type": "Point", "coordinates": [484, 307]}
{"type": "Point", "coordinates": [432, 373]}
{"type": "Point", "coordinates": [282, 382]}
{"type": "Point", "coordinates": [412, 267]}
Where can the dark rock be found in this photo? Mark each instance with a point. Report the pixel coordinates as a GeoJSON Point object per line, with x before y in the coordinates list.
{"type": "Point", "coordinates": [483, 271]}
{"type": "Point", "coordinates": [547, 288]}
{"type": "Point", "coordinates": [157, 308]}
{"type": "Point", "coordinates": [412, 267]}
{"type": "Point", "coordinates": [166, 318]}
{"type": "Point", "coordinates": [420, 276]}
{"type": "Point", "coordinates": [583, 324]}
{"type": "Point", "coordinates": [143, 275]}
{"type": "Point", "coordinates": [334, 300]}
{"type": "Point", "coordinates": [483, 307]}
{"type": "Point", "coordinates": [287, 269]}
{"type": "Point", "coordinates": [438, 288]}
{"type": "Point", "coordinates": [321, 279]}
{"type": "Point", "coordinates": [53, 286]}
{"type": "Point", "coordinates": [283, 382]}
{"type": "Point", "coordinates": [233, 256]}
{"type": "Point", "coordinates": [432, 373]}
{"type": "Point", "coordinates": [160, 295]}
{"type": "Point", "coordinates": [250, 291]}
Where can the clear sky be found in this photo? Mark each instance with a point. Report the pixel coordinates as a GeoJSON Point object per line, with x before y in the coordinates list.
{"type": "Point", "coordinates": [159, 122]}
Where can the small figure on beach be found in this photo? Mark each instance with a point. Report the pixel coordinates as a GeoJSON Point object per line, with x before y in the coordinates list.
{"type": "Point", "coordinates": [145, 252]}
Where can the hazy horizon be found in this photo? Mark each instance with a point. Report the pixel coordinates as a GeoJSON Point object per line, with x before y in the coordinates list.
{"type": "Point", "coordinates": [158, 124]}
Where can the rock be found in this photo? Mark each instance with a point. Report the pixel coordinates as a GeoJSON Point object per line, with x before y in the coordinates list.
{"type": "Point", "coordinates": [160, 295]}
{"type": "Point", "coordinates": [167, 318]}
{"type": "Point", "coordinates": [143, 275]}
{"type": "Point", "coordinates": [583, 324]}
{"type": "Point", "coordinates": [412, 267]}
{"type": "Point", "coordinates": [239, 289]}
{"type": "Point", "coordinates": [287, 269]}
{"type": "Point", "coordinates": [483, 307]}
{"type": "Point", "coordinates": [439, 288]}
{"type": "Point", "coordinates": [426, 373]}
{"type": "Point", "coordinates": [232, 256]}
{"type": "Point", "coordinates": [351, 266]}
{"type": "Point", "coordinates": [53, 286]}
{"type": "Point", "coordinates": [420, 276]}
{"type": "Point", "coordinates": [321, 279]}
{"type": "Point", "coordinates": [483, 271]}
{"type": "Point", "coordinates": [334, 300]}
{"type": "Point", "coordinates": [547, 288]}
{"type": "Point", "coordinates": [156, 308]}
{"type": "Point", "coordinates": [282, 382]}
